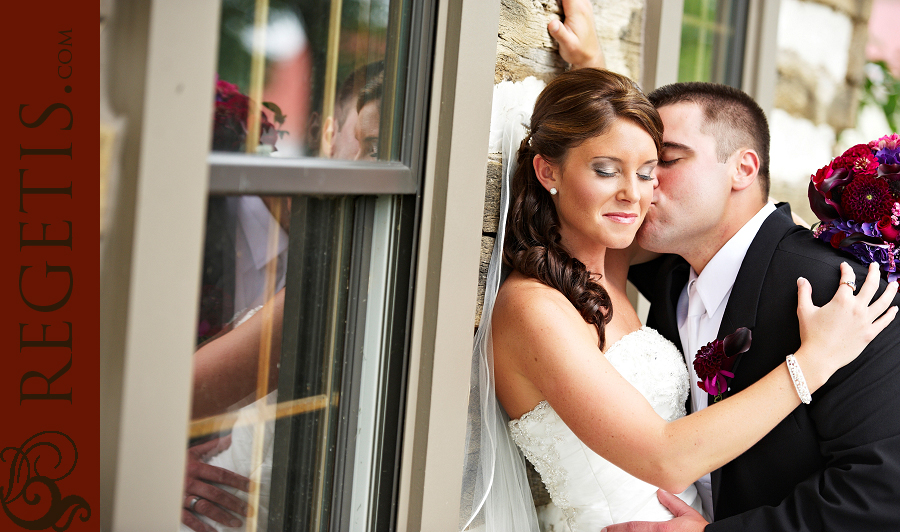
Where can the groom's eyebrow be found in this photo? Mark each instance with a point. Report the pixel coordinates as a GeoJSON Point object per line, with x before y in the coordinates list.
{"type": "Point", "coordinates": [677, 146]}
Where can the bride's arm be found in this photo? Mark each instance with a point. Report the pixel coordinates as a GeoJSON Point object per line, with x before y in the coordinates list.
{"type": "Point", "coordinates": [542, 338]}
{"type": "Point", "coordinates": [225, 368]}
{"type": "Point", "coordinates": [577, 37]}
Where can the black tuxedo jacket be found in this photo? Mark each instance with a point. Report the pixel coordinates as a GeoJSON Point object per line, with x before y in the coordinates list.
{"type": "Point", "coordinates": [830, 465]}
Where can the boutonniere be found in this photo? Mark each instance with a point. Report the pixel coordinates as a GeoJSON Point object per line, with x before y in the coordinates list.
{"type": "Point", "coordinates": [714, 361]}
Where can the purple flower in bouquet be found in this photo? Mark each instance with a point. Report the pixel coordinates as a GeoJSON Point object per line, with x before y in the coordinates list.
{"type": "Point", "coordinates": [887, 149]}
{"type": "Point", "coordinates": [857, 199]}
{"type": "Point", "coordinates": [714, 361]}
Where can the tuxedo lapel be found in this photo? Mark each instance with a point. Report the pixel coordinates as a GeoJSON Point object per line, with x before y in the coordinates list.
{"type": "Point", "coordinates": [672, 285]}
{"type": "Point", "coordinates": [743, 302]}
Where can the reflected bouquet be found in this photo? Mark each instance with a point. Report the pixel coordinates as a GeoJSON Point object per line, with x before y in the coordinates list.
{"type": "Point", "coordinates": [857, 199]}
{"type": "Point", "coordinates": [230, 120]}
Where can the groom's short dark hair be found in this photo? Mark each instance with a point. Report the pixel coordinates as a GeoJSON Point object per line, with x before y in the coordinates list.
{"type": "Point", "coordinates": [733, 118]}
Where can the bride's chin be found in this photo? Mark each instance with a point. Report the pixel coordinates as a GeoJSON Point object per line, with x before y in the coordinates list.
{"type": "Point", "coordinates": [619, 243]}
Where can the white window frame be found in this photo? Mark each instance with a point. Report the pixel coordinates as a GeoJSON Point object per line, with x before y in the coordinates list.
{"type": "Point", "coordinates": [662, 45]}
{"type": "Point", "coordinates": [147, 315]}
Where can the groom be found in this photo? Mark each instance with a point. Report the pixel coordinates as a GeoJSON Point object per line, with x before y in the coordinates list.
{"type": "Point", "coordinates": [732, 261]}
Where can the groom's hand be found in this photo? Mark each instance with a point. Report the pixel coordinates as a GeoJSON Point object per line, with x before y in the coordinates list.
{"type": "Point", "coordinates": [202, 480]}
{"type": "Point", "coordinates": [686, 518]}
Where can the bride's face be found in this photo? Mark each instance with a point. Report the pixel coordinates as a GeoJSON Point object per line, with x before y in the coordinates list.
{"type": "Point", "coordinates": [604, 186]}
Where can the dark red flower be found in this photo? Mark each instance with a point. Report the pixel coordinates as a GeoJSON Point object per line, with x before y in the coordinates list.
{"type": "Point", "coordinates": [837, 238]}
{"type": "Point", "coordinates": [825, 187]}
{"type": "Point", "coordinates": [230, 120]}
{"type": "Point", "coordinates": [714, 360]}
{"type": "Point", "coordinates": [858, 159]}
{"type": "Point", "coordinates": [888, 231]}
{"type": "Point", "coordinates": [867, 199]}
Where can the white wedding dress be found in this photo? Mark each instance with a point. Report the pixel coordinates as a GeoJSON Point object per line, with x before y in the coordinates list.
{"type": "Point", "coordinates": [590, 491]}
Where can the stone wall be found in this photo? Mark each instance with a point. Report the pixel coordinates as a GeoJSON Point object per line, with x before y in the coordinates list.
{"type": "Point", "coordinates": [820, 61]}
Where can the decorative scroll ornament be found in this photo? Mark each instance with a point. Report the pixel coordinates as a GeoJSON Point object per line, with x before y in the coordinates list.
{"type": "Point", "coordinates": [31, 497]}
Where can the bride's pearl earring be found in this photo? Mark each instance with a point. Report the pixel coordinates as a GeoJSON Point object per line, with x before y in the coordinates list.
{"type": "Point", "coordinates": [553, 191]}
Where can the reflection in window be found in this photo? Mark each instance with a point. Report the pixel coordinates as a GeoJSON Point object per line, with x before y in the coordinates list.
{"type": "Point", "coordinates": [301, 332]}
{"type": "Point", "coordinates": [712, 41]}
{"type": "Point", "coordinates": [305, 66]}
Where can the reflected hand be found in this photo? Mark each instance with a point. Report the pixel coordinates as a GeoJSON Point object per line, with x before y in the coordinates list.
{"type": "Point", "coordinates": [577, 36]}
{"type": "Point", "coordinates": [203, 498]}
{"type": "Point", "coordinates": [686, 518]}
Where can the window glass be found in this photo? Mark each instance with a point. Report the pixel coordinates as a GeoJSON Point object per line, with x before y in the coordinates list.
{"type": "Point", "coordinates": [301, 333]}
{"type": "Point", "coordinates": [305, 78]}
{"type": "Point", "coordinates": [712, 41]}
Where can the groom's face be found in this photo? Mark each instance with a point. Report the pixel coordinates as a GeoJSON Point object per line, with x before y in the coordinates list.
{"type": "Point", "coordinates": [689, 202]}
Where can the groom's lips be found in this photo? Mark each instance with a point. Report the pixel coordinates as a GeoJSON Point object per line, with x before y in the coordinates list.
{"type": "Point", "coordinates": [622, 217]}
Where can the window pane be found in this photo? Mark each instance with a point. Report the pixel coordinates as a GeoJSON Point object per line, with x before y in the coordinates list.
{"type": "Point", "coordinates": [325, 74]}
{"type": "Point", "coordinates": [304, 309]}
{"type": "Point", "coordinates": [318, 431]}
{"type": "Point", "coordinates": [712, 41]}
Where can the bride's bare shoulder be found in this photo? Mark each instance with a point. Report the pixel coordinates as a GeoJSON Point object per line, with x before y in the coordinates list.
{"type": "Point", "coordinates": [523, 300]}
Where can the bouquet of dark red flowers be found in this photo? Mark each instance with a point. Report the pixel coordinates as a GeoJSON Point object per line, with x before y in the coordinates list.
{"type": "Point", "coordinates": [230, 121]}
{"type": "Point", "coordinates": [714, 361]}
{"type": "Point", "coordinates": [857, 199]}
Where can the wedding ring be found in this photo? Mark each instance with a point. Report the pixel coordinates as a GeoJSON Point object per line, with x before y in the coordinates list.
{"type": "Point", "coordinates": [193, 503]}
{"type": "Point", "coordinates": [851, 284]}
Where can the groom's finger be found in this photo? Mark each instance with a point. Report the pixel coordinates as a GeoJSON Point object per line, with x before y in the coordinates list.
{"type": "Point", "coordinates": [675, 505]}
{"type": "Point", "coordinates": [635, 526]}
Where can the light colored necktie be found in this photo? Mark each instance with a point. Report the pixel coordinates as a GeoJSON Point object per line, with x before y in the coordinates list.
{"type": "Point", "coordinates": [695, 311]}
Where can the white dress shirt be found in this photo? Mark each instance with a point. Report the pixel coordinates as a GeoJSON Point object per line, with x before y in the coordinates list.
{"type": "Point", "coordinates": [254, 221]}
{"type": "Point", "coordinates": [703, 300]}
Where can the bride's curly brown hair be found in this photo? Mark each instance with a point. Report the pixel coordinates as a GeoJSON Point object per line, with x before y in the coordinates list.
{"type": "Point", "coordinates": [576, 106]}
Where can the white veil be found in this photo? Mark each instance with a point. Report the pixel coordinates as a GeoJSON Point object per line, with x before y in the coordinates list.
{"type": "Point", "coordinates": [496, 496]}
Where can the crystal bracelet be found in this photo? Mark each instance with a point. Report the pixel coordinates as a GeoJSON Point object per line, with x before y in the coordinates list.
{"type": "Point", "coordinates": [799, 380]}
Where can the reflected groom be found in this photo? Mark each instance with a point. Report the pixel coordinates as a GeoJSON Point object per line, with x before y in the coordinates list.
{"type": "Point", "coordinates": [831, 465]}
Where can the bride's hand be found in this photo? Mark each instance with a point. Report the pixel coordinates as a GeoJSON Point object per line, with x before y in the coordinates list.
{"type": "Point", "coordinates": [577, 36]}
{"type": "Point", "coordinates": [832, 336]}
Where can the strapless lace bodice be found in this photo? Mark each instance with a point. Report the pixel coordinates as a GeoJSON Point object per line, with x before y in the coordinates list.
{"type": "Point", "coordinates": [590, 491]}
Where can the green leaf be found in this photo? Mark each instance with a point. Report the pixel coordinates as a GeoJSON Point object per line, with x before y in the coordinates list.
{"type": "Point", "coordinates": [279, 116]}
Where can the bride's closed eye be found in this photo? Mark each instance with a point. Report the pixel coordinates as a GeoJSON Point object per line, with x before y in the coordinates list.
{"type": "Point", "coordinates": [646, 172]}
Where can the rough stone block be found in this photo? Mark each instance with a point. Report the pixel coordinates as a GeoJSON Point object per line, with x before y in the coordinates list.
{"type": "Point", "coordinates": [795, 90]}
{"type": "Point", "coordinates": [487, 245]}
{"type": "Point", "coordinates": [843, 108]}
{"type": "Point", "coordinates": [525, 48]}
{"type": "Point", "coordinates": [858, 9]}
{"type": "Point", "coordinates": [492, 194]}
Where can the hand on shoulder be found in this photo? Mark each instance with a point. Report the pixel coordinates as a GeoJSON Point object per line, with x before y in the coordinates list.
{"type": "Point", "coordinates": [822, 352]}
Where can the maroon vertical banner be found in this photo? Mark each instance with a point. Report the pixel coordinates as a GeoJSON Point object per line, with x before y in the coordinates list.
{"type": "Point", "coordinates": [49, 274]}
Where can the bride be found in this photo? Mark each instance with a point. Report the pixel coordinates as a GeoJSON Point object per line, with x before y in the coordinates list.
{"type": "Point", "coordinates": [597, 401]}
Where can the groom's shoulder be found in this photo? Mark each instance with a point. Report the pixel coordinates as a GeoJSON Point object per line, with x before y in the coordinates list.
{"type": "Point", "coordinates": [797, 250]}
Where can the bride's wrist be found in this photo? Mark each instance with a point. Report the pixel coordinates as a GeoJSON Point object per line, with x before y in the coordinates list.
{"type": "Point", "coordinates": [814, 368]}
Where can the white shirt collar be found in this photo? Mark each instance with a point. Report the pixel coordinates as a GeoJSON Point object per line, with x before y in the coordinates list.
{"type": "Point", "coordinates": [255, 221]}
{"type": "Point", "coordinates": [715, 282]}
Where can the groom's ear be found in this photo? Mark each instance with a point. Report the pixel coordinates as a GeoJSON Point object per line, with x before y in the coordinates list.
{"type": "Point", "coordinates": [746, 165]}
{"type": "Point", "coordinates": [545, 172]}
